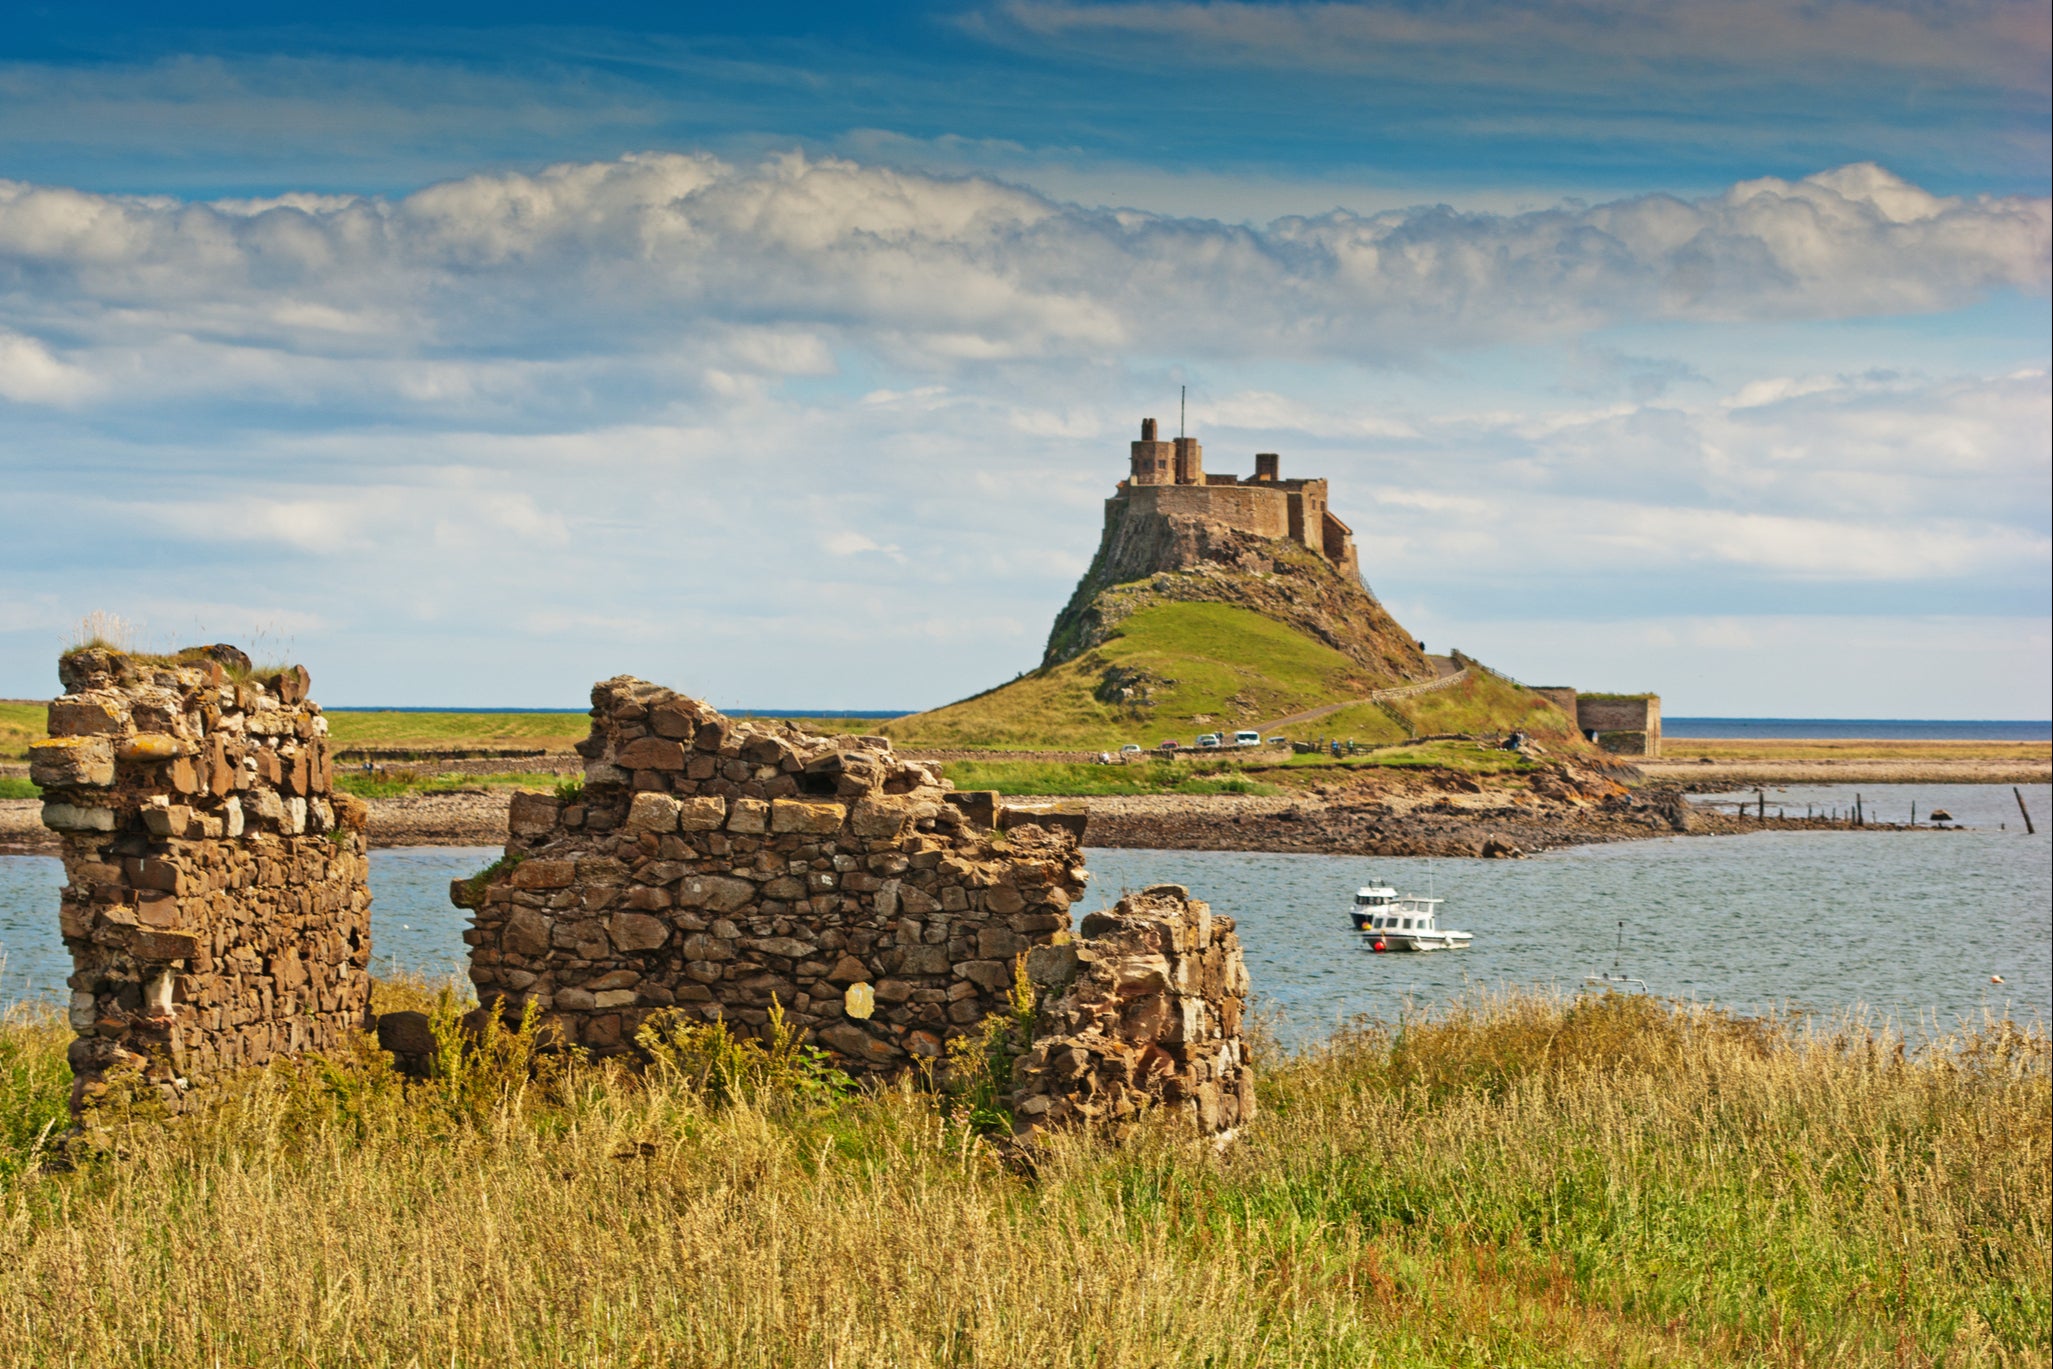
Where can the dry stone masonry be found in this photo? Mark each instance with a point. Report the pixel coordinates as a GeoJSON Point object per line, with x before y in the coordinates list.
{"type": "Point", "coordinates": [1144, 1009]}
{"type": "Point", "coordinates": [713, 864]}
{"type": "Point", "coordinates": [216, 907]}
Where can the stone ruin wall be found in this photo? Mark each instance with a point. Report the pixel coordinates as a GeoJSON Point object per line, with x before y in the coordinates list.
{"type": "Point", "coordinates": [1144, 1009]}
{"type": "Point", "coordinates": [716, 865]}
{"type": "Point", "coordinates": [711, 864]}
{"type": "Point", "coordinates": [215, 907]}
{"type": "Point", "coordinates": [1624, 727]}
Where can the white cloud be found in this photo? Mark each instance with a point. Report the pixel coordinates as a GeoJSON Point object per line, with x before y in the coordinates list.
{"type": "Point", "coordinates": [465, 293]}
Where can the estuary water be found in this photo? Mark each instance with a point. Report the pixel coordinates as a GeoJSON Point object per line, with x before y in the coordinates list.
{"type": "Point", "coordinates": [1911, 925]}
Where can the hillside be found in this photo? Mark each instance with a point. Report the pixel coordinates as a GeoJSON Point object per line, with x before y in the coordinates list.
{"type": "Point", "coordinates": [1146, 559]}
{"type": "Point", "coordinates": [1165, 670]}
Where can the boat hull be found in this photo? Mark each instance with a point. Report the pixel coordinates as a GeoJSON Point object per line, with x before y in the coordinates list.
{"type": "Point", "coordinates": [1419, 941]}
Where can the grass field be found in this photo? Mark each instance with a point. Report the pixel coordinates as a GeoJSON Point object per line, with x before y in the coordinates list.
{"type": "Point", "coordinates": [1520, 1181]}
{"type": "Point", "coordinates": [1854, 748]}
{"type": "Point", "coordinates": [1139, 777]}
{"type": "Point", "coordinates": [392, 729]}
{"type": "Point", "coordinates": [395, 784]}
{"type": "Point", "coordinates": [20, 724]}
{"type": "Point", "coordinates": [1230, 666]}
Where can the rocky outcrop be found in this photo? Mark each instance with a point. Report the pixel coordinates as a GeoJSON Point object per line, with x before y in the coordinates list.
{"type": "Point", "coordinates": [1142, 1011]}
{"type": "Point", "coordinates": [715, 865]}
{"type": "Point", "coordinates": [1147, 557]}
{"type": "Point", "coordinates": [216, 908]}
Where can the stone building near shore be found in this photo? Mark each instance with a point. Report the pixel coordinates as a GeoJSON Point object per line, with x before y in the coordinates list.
{"type": "Point", "coordinates": [215, 905]}
{"type": "Point", "coordinates": [1623, 724]}
{"type": "Point", "coordinates": [1170, 478]}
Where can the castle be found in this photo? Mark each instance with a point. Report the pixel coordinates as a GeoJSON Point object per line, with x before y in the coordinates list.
{"type": "Point", "coordinates": [1169, 478]}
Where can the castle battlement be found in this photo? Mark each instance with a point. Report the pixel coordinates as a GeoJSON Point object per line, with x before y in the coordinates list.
{"type": "Point", "coordinates": [1170, 478]}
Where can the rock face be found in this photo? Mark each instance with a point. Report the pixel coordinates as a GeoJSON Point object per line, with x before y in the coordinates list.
{"type": "Point", "coordinates": [1144, 1009]}
{"type": "Point", "coordinates": [216, 907]}
{"type": "Point", "coordinates": [1151, 553]}
{"type": "Point", "coordinates": [714, 864]}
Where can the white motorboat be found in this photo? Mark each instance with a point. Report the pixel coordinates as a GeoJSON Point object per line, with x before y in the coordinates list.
{"type": "Point", "coordinates": [1390, 921]}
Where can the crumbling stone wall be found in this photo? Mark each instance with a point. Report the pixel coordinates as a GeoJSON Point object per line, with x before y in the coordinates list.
{"type": "Point", "coordinates": [216, 908]}
{"type": "Point", "coordinates": [713, 864]}
{"type": "Point", "coordinates": [1144, 1009]}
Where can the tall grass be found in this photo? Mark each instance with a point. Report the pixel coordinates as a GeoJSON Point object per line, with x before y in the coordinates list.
{"type": "Point", "coordinates": [1518, 1180]}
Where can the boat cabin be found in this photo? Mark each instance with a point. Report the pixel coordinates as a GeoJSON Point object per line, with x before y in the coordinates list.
{"type": "Point", "coordinates": [1407, 914]}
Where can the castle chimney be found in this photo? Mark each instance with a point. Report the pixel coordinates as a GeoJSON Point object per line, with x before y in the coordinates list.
{"type": "Point", "coordinates": [1190, 462]}
{"type": "Point", "coordinates": [1267, 465]}
{"type": "Point", "coordinates": [1147, 430]}
{"type": "Point", "coordinates": [1154, 462]}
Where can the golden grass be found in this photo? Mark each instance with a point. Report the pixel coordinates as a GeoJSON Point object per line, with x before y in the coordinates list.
{"type": "Point", "coordinates": [1521, 1181]}
{"type": "Point", "coordinates": [1851, 749]}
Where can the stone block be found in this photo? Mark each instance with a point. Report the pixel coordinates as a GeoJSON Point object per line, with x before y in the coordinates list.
{"type": "Point", "coordinates": [703, 813]}
{"type": "Point", "coordinates": [526, 933]}
{"type": "Point", "coordinates": [71, 817]}
{"type": "Point", "coordinates": [85, 717]}
{"type": "Point", "coordinates": [651, 753]}
{"type": "Point", "coordinates": [749, 816]}
{"type": "Point", "coordinates": [637, 932]}
{"type": "Point", "coordinates": [533, 815]}
{"type": "Point", "coordinates": [156, 946]}
{"type": "Point", "coordinates": [72, 762]}
{"type": "Point", "coordinates": [715, 893]}
{"type": "Point", "coordinates": [168, 820]}
{"type": "Point", "coordinates": [543, 874]}
{"type": "Point", "coordinates": [652, 813]}
{"type": "Point", "coordinates": [806, 818]}
{"type": "Point", "coordinates": [153, 746]}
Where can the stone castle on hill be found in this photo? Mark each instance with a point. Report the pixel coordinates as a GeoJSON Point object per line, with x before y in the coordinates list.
{"type": "Point", "coordinates": [1169, 478]}
{"type": "Point", "coordinates": [1263, 543]}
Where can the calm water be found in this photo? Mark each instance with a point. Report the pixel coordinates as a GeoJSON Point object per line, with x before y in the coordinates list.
{"type": "Point", "coordinates": [1911, 924]}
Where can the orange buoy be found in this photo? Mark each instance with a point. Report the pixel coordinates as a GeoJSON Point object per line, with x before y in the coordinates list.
{"type": "Point", "coordinates": [1379, 946]}
{"type": "Point", "coordinates": [1995, 979]}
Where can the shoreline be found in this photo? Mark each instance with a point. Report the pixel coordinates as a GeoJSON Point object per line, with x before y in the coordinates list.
{"type": "Point", "coordinates": [1426, 821]}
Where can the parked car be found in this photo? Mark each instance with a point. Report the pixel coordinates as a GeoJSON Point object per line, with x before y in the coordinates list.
{"type": "Point", "coordinates": [1211, 741]}
{"type": "Point", "coordinates": [1130, 749]}
{"type": "Point", "coordinates": [1170, 746]}
{"type": "Point", "coordinates": [1279, 741]}
{"type": "Point", "coordinates": [1247, 739]}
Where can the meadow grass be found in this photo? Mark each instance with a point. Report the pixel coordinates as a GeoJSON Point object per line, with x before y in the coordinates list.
{"type": "Point", "coordinates": [391, 728]}
{"type": "Point", "coordinates": [1229, 665]}
{"type": "Point", "coordinates": [1514, 1180]}
{"type": "Point", "coordinates": [14, 787]}
{"type": "Point", "coordinates": [1135, 777]}
{"type": "Point", "coordinates": [21, 723]}
{"type": "Point", "coordinates": [1851, 749]}
{"type": "Point", "coordinates": [1486, 703]}
{"type": "Point", "coordinates": [391, 784]}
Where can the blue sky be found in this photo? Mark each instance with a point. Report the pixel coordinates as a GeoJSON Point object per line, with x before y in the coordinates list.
{"type": "Point", "coordinates": [786, 354]}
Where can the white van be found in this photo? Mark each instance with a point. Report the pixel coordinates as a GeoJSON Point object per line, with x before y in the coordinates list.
{"type": "Point", "coordinates": [1247, 739]}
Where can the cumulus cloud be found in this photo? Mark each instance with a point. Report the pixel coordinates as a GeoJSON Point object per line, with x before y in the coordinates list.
{"type": "Point", "coordinates": [733, 273]}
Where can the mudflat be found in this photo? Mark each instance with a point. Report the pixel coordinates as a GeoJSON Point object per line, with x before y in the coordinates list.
{"type": "Point", "coordinates": [1721, 763]}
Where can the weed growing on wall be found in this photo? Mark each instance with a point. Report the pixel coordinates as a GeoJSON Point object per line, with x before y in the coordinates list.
{"type": "Point", "coordinates": [980, 1062]}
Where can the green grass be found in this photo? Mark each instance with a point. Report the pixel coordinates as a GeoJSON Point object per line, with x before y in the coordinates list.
{"type": "Point", "coordinates": [1472, 758]}
{"type": "Point", "coordinates": [1366, 724]}
{"type": "Point", "coordinates": [1514, 1181]}
{"type": "Point", "coordinates": [1486, 703]}
{"type": "Point", "coordinates": [1138, 777]}
{"type": "Point", "coordinates": [395, 784]}
{"type": "Point", "coordinates": [1228, 664]}
{"type": "Point", "coordinates": [21, 724]}
{"type": "Point", "coordinates": [12, 787]}
{"type": "Point", "coordinates": [388, 728]}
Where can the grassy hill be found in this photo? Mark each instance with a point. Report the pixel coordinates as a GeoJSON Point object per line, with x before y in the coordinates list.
{"type": "Point", "coordinates": [1184, 668]}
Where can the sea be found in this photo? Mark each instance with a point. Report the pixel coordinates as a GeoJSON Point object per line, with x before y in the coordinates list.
{"type": "Point", "coordinates": [1916, 927]}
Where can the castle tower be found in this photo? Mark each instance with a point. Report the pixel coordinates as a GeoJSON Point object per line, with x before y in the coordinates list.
{"type": "Point", "coordinates": [1190, 462]}
{"type": "Point", "coordinates": [1154, 463]}
{"type": "Point", "coordinates": [1268, 467]}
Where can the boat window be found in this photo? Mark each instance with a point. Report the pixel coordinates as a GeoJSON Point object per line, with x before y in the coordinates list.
{"type": "Point", "coordinates": [1407, 924]}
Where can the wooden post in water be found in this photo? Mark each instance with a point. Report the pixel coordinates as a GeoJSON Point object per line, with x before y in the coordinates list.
{"type": "Point", "coordinates": [2018, 794]}
{"type": "Point", "coordinates": [1762, 795]}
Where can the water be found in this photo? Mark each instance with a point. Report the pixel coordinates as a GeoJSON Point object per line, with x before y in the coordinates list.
{"type": "Point", "coordinates": [1911, 924]}
{"type": "Point", "coordinates": [1894, 729]}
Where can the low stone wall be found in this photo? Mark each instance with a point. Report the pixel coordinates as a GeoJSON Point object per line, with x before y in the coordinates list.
{"type": "Point", "coordinates": [1626, 725]}
{"type": "Point", "coordinates": [1143, 1010]}
{"type": "Point", "coordinates": [216, 908]}
{"type": "Point", "coordinates": [713, 864]}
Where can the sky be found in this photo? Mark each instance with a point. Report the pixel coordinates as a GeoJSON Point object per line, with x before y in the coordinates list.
{"type": "Point", "coordinates": [786, 354]}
